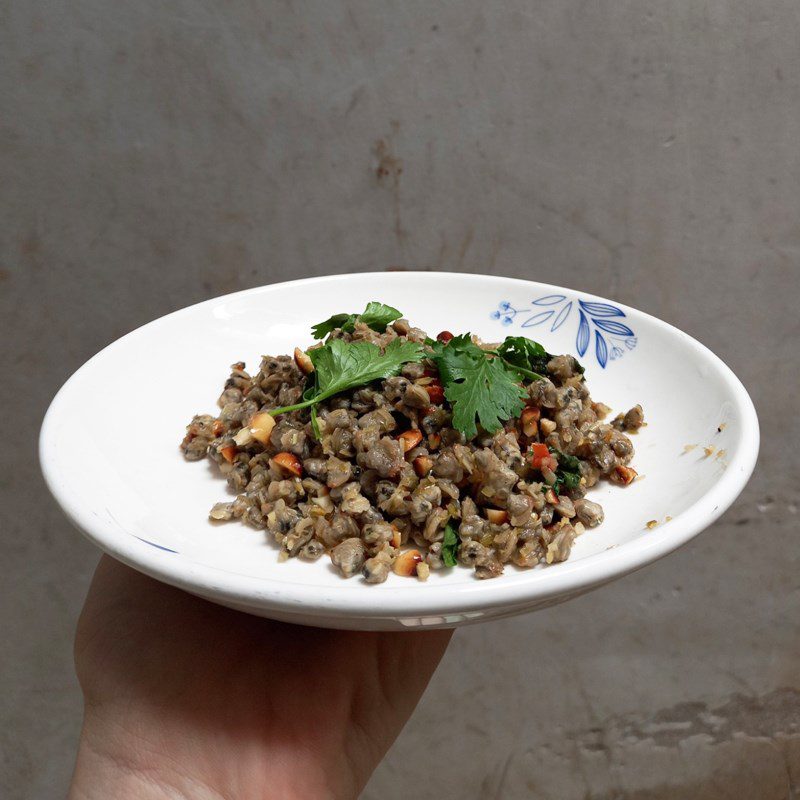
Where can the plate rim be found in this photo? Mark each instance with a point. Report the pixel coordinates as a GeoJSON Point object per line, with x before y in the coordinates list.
{"type": "Point", "coordinates": [348, 600]}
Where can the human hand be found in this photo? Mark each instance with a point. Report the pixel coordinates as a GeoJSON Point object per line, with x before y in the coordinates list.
{"type": "Point", "coordinates": [187, 699]}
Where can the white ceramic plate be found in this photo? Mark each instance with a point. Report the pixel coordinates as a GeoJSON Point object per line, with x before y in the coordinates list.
{"type": "Point", "coordinates": [109, 445]}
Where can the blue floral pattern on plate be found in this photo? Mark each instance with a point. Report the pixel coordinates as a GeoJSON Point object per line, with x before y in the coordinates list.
{"type": "Point", "coordinates": [153, 544]}
{"type": "Point", "coordinates": [597, 322]}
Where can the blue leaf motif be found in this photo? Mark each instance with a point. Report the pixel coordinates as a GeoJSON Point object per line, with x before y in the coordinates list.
{"type": "Point", "coordinates": [582, 340]}
{"type": "Point", "coordinates": [538, 319]}
{"type": "Point", "coordinates": [612, 337]}
{"type": "Point", "coordinates": [561, 317]}
{"type": "Point", "coordinates": [601, 309]}
{"type": "Point", "coordinates": [601, 349]}
{"type": "Point", "coordinates": [153, 544]}
{"type": "Point", "coordinates": [550, 300]}
{"type": "Point", "coordinates": [610, 326]}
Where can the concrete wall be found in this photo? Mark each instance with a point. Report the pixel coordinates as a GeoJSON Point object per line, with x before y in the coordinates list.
{"type": "Point", "coordinates": [154, 154]}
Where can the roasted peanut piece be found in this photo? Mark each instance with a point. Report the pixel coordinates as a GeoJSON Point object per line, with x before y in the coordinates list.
{"type": "Point", "coordinates": [261, 426]}
{"type": "Point", "coordinates": [547, 426]}
{"type": "Point", "coordinates": [497, 516]}
{"type": "Point", "coordinates": [290, 463]}
{"type": "Point", "coordinates": [623, 475]}
{"type": "Point", "coordinates": [243, 437]}
{"type": "Point", "coordinates": [396, 537]}
{"type": "Point", "coordinates": [303, 361]}
{"type": "Point", "coordinates": [406, 563]}
{"type": "Point", "coordinates": [530, 420]}
{"type": "Point", "coordinates": [409, 439]}
{"type": "Point", "coordinates": [422, 465]}
{"type": "Point", "coordinates": [551, 497]}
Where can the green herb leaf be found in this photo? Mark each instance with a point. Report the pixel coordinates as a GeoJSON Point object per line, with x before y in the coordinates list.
{"type": "Point", "coordinates": [568, 473]}
{"type": "Point", "coordinates": [451, 357]}
{"type": "Point", "coordinates": [450, 545]}
{"type": "Point", "coordinates": [477, 385]}
{"type": "Point", "coordinates": [376, 315]}
{"type": "Point", "coordinates": [343, 365]}
{"type": "Point", "coordinates": [525, 354]}
{"type": "Point", "coordinates": [322, 329]}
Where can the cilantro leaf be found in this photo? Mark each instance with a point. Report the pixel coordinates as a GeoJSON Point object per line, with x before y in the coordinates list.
{"type": "Point", "coordinates": [477, 385]}
{"type": "Point", "coordinates": [525, 354]}
{"type": "Point", "coordinates": [450, 545]}
{"type": "Point", "coordinates": [450, 357]}
{"type": "Point", "coordinates": [376, 316]}
{"type": "Point", "coordinates": [528, 356]}
{"type": "Point", "coordinates": [322, 329]}
{"type": "Point", "coordinates": [341, 365]}
{"type": "Point", "coordinates": [568, 473]}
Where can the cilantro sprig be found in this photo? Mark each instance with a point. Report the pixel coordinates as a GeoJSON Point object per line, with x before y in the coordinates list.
{"type": "Point", "coordinates": [526, 356]}
{"type": "Point", "coordinates": [529, 357]}
{"type": "Point", "coordinates": [340, 365]}
{"type": "Point", "coordinates": [483, 386]}
{"type": "Point", "coordinates": [376, 316]}
{"type": "Point", "coordinates": [478, 384]}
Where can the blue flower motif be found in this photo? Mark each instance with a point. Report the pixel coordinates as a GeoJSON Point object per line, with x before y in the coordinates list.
{"type": "Point", "coordinates": [603, 319]}
{"type": "Point", "coordinates": [505, 312]}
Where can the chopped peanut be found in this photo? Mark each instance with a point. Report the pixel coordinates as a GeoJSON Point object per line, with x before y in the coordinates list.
{"type": "Point", "coordinates": [547, 426]}
{"type": "Point", "coordinates": [261, 426]}
{"type": "Point", "coordinates": [406, 563]}
{"type": "Point", "coordinates": [551, 497]}
{"type": "Point", "coordinates": [623, 475]}
{"type": "Point", "coordinates": [530, 420]}
{"type": "Point", "coordinates": [410, 439]}
{"type": "Point", "coordinates": [243, 437]}
{"type": "Point", "coordinates": [290, 463]}
{"type": "Point", "coordinates": [303, 361]}
{"type": "Point", "coordinates": [423, 465]}
{"type": "Point", "coordinates": [325, 503]}
{"type": "Point", "coordinates": [397, 538]}
{"type": "Point", "coordinates": [496, 516]}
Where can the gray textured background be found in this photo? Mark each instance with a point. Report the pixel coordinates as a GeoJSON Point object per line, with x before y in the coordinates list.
{"type": "Point", "coordinates": [156, 154]}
